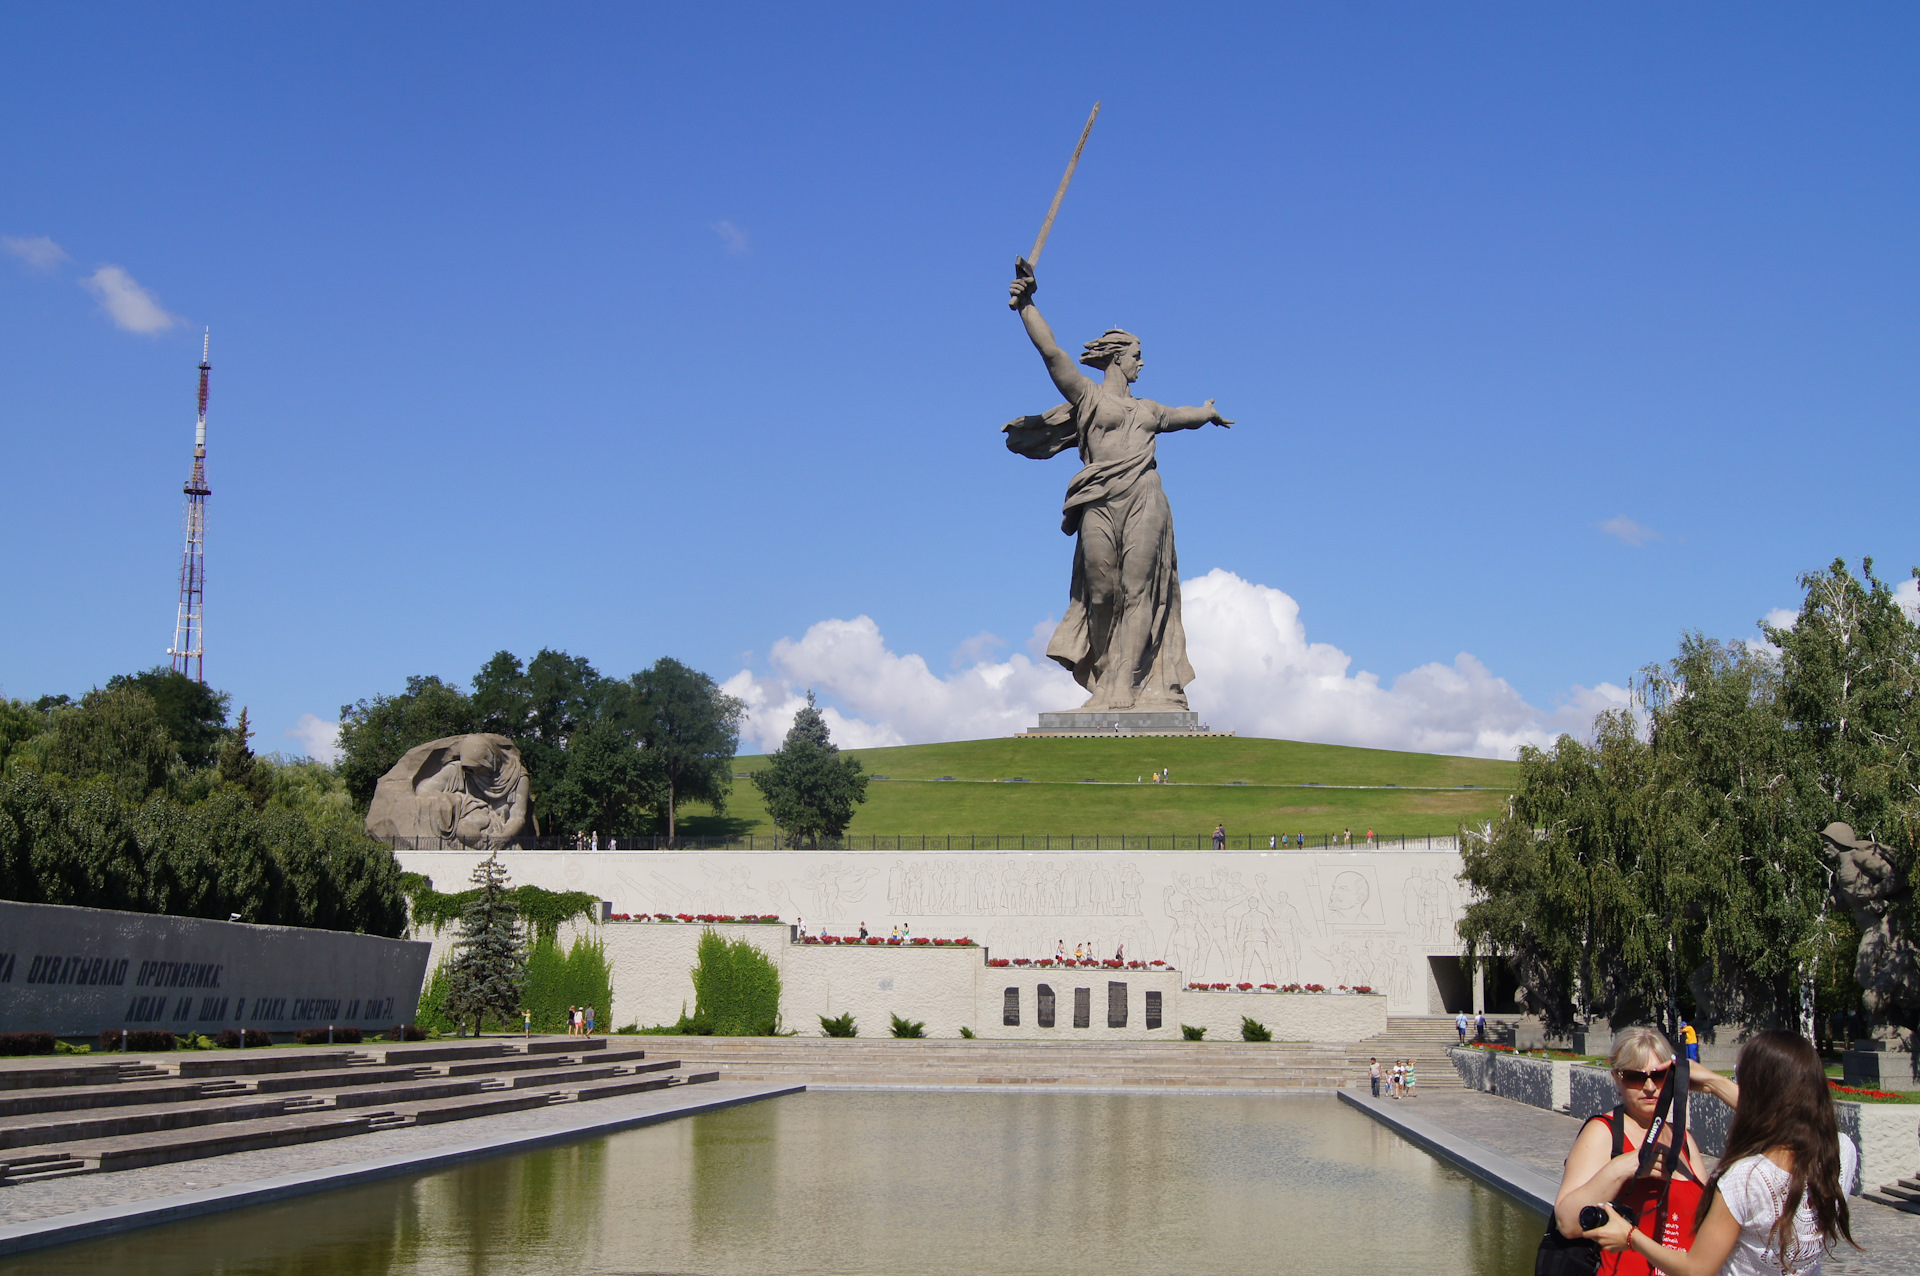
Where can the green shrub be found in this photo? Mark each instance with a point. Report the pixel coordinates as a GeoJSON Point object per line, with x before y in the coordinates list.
{"type": "Point", "coordinates": [735, 989]}
{"type": "Point", "coordinates": [1190, 1033]}
{"type": "Point", "coordinates": [67, 1047]}
{"type": "Point", "coordinates": [1253, 1030]}
{"type": "Point", "coordinates": [966, 1034]}
{"type": "Point", "coordinates": [838, 1026]}
{"type": "Point", "coordinates": [908, 1027]}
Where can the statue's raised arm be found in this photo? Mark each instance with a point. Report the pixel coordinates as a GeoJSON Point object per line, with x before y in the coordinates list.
{"type": "Point", "coordinates": [1066, 377]}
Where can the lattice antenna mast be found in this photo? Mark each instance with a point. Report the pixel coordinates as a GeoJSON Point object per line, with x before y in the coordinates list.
{"type": "Point", "coordinates": [189, 635]}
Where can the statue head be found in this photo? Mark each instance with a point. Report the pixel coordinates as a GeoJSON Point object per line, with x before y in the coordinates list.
{"type": "Point", "coordinates": [1115, 347]}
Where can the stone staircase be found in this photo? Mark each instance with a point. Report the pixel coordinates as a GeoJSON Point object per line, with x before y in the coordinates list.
{"type": "Point", "coordinates": [1198, 1065]}
{"type": "Point", "coordinates": [1903, 1196]}
{"type": "Point", "coordinates": [1424, 1039]}
{"type": "Point", "coordinates": [59, 1120]}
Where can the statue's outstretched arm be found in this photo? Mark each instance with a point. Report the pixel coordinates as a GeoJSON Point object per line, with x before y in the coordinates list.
{"type": "Point", "coordinates": [1192, 418]}
{"type": "Point", "coordinates": [1066, 378]}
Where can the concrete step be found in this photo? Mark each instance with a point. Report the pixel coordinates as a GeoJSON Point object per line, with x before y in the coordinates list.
{"type": "Point", "coordinates": [1901, 1203]}
{"type": "Point", "coordinates": [35, 1169]}
{"type": "Point", "coordinates": [339, 1080]}
{"type": "Point", "coordinates": [240, 1063]}
{"type": "Point", "coordinates": [133, 1151]}
{"type": "Point", "coordinates": [519, 1063]}
{"type": "Point", "coordinates": [568, 1076]}
{"type": "Point", "coordinates": [413, 1092]}
{"type": "Point", "coordinates": [37, 1075]}
{"type": "Point", "coordinates": [463, 1109]}
{"type": "Point", "coordinates": [565, 1045]}
{"type": "Point", "coordinates": [442, 1052]}
{"type": "Point", "coordinates": [110, 1122]}
{"type": "Point", "coordinates": [77, 1098]}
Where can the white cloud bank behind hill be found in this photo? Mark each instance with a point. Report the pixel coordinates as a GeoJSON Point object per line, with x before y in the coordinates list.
{"type": "Point", "coordinates": [1257, 674]}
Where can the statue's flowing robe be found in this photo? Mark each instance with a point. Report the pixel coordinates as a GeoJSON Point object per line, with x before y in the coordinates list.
{"type": "Point", "coordinates": [429, 795]}
{"type": "Point", "coordinates": [1123, 500]}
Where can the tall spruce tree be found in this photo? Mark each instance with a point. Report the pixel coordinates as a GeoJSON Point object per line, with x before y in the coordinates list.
{"type": "Point", "coordinates": [488, 975]}
{"type": "Point", "coordinates": [810, 789]}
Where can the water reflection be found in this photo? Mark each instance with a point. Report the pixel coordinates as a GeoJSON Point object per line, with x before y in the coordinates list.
{"type": "Point", "coordinates": [1113, 1185]}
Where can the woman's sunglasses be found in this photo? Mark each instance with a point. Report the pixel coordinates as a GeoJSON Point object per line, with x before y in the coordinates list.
{"type": "Point", "coordinates": [1633, 1078]}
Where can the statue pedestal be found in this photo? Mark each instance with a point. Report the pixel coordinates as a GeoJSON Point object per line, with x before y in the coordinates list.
{"type": "Point", "coordinates": [1113, 722]}
{"type": "Point", "coordinates": [1878, 1070]}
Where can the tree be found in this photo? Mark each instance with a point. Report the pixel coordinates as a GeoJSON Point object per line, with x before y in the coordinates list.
{"type": "Point", "coordinates": [691, 731]}
{"type": "Point", "coordinates": [810, 790]}
{"type": "Point", "coordinates": [116, 734]}
{"type": "Point", "coordinates": [488, 975]}
{"type": "Point", "coordinates": [376, 733]}
{"type": "Point", "coordinates": [238, 767]}
{"type": "Point", "coordinates": [194, 714]}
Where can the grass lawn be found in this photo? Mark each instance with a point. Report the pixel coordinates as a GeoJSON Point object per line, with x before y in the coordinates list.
{"type": "Point", "coordinates": [1089, 786]}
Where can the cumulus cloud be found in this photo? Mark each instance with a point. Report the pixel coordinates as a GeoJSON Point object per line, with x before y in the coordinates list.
{"type": "Point", "coordinates": [130, 306]}
{"type": "Point", "coordinates": [37, 251]}
{"type": "Point", "coordinates": [732, 238]}
{"type": "Point", "coordinates": [318, 737]}
{"type": "Point", "coordinates": [1258, 675]}
{"type": "Point", "coordinates": [1629, 532]}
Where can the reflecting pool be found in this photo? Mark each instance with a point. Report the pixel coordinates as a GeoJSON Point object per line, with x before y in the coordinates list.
{"type": "Point", "coordinates": [892, 1183]}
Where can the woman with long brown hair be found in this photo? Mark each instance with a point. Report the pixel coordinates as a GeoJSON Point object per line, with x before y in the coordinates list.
{"type": "Point", "coordinates": [1778, 1202]}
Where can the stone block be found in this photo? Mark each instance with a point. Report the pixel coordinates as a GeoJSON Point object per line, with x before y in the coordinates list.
{"type": "Point", "coordinates": [1525, 1080]}
{"type": "Point", "coordinates": [1878, 1070]}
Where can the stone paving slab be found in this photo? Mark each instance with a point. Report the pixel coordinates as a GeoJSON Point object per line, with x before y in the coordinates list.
{"type": "Point", "coordinates": [1538, 1141]}
{"type": "Point", "coordinates": [36, 1215]}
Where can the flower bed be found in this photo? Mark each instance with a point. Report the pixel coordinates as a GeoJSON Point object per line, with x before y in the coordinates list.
{"type": "Point", "coordinates": [749, 919]}
{"type": "Point", "coordinates": [1249, 987]}
{"type": "Point", "coordinates": [875, 941]}
{"type": "Point", "coordinates": [1872, 1096]}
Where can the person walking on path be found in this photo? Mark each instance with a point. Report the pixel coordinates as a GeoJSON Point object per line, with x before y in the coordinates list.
{"type": "Point", "coordinates": [1411, 1082]}
{"type": "Point", "coordinates": [1220, 837]}
{"type": "Point", "coordinates": [1480, 1026]}
{"type": "Point", "coordinates": [1777, 1203]}
{"type": "Point", "coordinates": [863, 930]}
{"type": "Point", "coordinates": [1460, 1026]}
{"type": "Point", "coordinates": [1373, 1074]}
{"type": "Point", "coordinates": [1691, 1039]}
{"type": "Point", "coordinates": [1642, 1061]}
{"type": "Point", "coordinates": [588, 1026]}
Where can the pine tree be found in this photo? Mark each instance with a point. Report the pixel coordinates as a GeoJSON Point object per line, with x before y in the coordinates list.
{"type": "Point", "coordinates": [488, 975]}
{"type": "Point", "coordinates": [810, 790]}
{"type": "Point", "coordinates": [237, 764]}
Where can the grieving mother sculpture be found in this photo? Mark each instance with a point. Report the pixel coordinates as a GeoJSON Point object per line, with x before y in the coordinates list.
{"type": "Point", "coordinates": [468, 789]}
{"type": "Point", "coordinates": [1122, 635]}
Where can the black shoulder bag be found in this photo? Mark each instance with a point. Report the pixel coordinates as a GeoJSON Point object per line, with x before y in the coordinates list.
{"type": "Point", "coordinates": [1560, 1256]}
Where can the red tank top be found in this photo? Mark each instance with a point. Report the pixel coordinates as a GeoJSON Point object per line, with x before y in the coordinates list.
{"type": "Point", "coordinates": [1640, 1200]}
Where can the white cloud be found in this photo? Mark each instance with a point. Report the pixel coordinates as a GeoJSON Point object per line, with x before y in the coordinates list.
{"type": "Point", "coordinates": [128, 304]}
{"type": "Point", "coordinates": [1629, 532]}
{"type": "Point", "coordinates": [731, 236]}
{"type": "Point", "coordinates": [37, 251]}
{"type": "Point", "coordinates": [1257, 674]}
{"type": "Point", "coordinates": [977, 648]}
{"type": "Point", "coordinates": [320, 738]}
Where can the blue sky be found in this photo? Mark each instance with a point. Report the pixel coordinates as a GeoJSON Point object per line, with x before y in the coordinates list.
{"type": "Point", "coordinates": [1550, 331]}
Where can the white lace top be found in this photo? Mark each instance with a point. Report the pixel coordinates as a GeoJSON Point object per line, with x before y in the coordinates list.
{"type": "Point", "coordinates": [1755, 1190]}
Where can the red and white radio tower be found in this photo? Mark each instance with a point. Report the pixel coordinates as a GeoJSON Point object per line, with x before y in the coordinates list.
{"type": "Point", "coordinates": [189, 636]}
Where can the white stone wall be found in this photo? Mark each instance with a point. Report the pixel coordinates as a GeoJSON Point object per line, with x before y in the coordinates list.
{"type": "Point", "coordinates": [1326, 917]}
{"type": "Point", "coordinates": [1292, 1016]}
{"type": "Point", "coordinates": [946, 989]}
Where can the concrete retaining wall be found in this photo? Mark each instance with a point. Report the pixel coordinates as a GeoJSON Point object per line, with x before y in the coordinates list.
{"type": "Point", "coordinates": [75, 971]}
{"type": "Point", "coordinates": [1332, 917]}
{"type": "Point", "coordinates": [949, 988]}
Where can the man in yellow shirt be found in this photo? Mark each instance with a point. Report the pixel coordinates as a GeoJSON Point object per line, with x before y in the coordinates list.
{"type": "Point", "coordinates": [1692, 1040]}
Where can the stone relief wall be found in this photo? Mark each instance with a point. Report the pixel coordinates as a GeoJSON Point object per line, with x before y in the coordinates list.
{"type": "Point", "coordinates": [1326, 917]}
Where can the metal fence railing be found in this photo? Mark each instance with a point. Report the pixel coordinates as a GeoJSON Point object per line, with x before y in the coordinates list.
{"type": "Point", "coordinates": [1055, 842]}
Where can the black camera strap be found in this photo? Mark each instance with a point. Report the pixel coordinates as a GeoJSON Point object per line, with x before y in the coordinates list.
{"type": "Point", "coordinates": [1670, 1114]}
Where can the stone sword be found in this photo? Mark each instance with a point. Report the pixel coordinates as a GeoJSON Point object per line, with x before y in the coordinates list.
{"type": "Point", "coordinates": [1023, 266]}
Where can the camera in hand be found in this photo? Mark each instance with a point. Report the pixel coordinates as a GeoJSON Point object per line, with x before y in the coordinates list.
{"type": "Point", "coordinates": [1592, 1216]}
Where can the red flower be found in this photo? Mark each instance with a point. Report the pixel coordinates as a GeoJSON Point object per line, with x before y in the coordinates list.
{"type": "Point", "coordinates": [1156, 963]}
{"type": "Point", "coordinates": [1271, 987]}
{"type": "Point", "coordinates": [1244, 987]}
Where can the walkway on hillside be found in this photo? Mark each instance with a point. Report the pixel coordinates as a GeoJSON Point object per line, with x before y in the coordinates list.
{"type": "Point", "coordinates": [1539, 1139]}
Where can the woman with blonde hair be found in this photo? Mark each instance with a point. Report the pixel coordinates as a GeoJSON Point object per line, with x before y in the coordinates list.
{"type": "Point", "coordinates": [1778, 1202]}
{"type": "Point", "coordinates": [1605, 1160]}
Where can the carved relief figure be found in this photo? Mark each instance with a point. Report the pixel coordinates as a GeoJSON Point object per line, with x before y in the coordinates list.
{"type": "Point", "coordinates": [1868, 883]}
{"type": "Point", "coordinates": [469, 789]}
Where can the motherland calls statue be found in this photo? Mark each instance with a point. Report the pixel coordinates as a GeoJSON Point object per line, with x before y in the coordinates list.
{"type": "Point", "coordinates": [1122, 635]}
{"type": "Point", "coordinates": [1869, 883]}
{"type": "Point", "coordinates": [469, 789]}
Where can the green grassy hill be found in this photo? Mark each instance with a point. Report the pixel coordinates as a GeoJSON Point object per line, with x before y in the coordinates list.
{"type": "Point", "coordinates": [1076, 786]}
